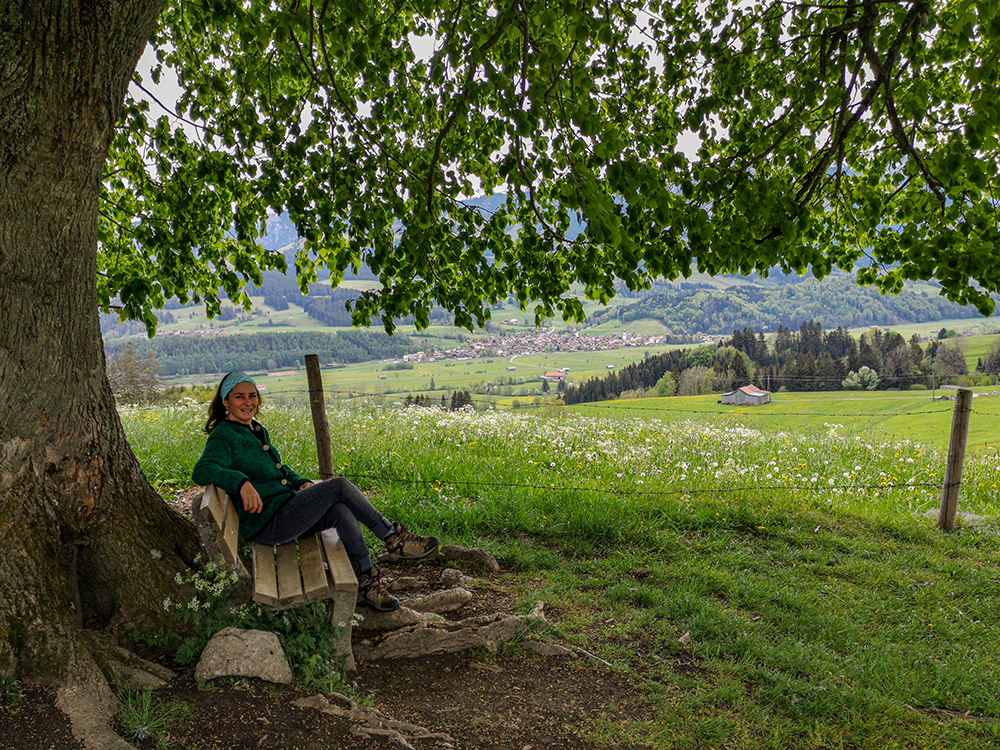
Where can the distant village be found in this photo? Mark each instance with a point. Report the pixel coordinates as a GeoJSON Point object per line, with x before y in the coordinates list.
{"type": "Point", "coordinates": [540, 341]}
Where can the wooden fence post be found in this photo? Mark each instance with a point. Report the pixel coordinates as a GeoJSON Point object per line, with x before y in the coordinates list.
{"type": "Point", "coordinates": [323, 453]}
{"type": "Point", "coordinates": [956, 457]}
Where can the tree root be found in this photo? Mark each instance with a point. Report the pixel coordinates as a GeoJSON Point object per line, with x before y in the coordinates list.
{"type": "Point", "coordinates": [368, 722]}
{"type": "Point", "coordinates": [87, 698]}
{"type": "Point", "coordinates": [443, 636]}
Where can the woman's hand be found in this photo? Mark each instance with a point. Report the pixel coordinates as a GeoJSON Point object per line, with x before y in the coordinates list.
{"type": "Point", "coordinates": [251, 500]}
{"type": "Point", "coordinates": [306, 484]}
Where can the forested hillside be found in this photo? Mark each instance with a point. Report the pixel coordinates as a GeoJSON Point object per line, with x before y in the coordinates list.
{"type": "Point", "coordinates": [836, 301]}
{"type": "Point", "coordinates": [809, 359]}
{"type": "Point", "coordinates": [323, 304]}
{"type": "Point", "coordinates": [182, 355]}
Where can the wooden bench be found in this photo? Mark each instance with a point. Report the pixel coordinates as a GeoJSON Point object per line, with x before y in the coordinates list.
{"type": "Point", "coordinates": [307, 570]}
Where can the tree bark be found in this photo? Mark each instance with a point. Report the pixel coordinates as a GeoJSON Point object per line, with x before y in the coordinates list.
{"type": "Point", "coordinates": [86, 545]}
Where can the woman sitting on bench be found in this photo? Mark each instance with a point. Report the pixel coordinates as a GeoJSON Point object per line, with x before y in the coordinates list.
{"type": "Point", "coordinates": [275, 505]}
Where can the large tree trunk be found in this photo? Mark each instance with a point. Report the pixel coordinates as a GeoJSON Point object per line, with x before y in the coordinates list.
{"type": "Point", "coordinates": [86, 546]}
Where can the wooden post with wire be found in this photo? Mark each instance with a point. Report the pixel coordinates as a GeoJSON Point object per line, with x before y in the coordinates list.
{"type": "Point", "coordinates": [320, 425]}
{"type": "Point", "coordinates": [956, 457]}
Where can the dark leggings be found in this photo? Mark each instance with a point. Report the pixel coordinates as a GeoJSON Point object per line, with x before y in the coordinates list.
{"type": "Point", "coordinates": [331, 504]}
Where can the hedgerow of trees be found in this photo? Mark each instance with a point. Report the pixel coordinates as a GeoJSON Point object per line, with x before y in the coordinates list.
{"type": "Point", "coordinates": [182, 355]}
{"type": "Point", "coordinates": [810, 359]}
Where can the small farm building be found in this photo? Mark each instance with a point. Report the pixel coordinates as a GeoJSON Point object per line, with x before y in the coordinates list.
{"type": "Point", "coordinates": [748, 395]}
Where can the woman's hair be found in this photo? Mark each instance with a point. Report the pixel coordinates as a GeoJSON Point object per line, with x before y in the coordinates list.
{"type": "Point", "coordinates": [217, 410]}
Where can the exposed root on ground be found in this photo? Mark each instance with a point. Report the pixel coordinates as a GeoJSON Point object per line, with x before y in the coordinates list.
{"type": "Point", "coordinates": [368, 722]}
{"type": "Point", "coordinates": [87, 698]}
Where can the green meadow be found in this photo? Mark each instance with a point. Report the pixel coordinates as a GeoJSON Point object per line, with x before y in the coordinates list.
{"type": "Point", "coordinates": [512, 377]}
{"type": "Point", "coordinates": [922, 417]}
{"type": "Point", "coordinates": [912, 416]}
{"type": "Point", "coordinates": [764, 584]}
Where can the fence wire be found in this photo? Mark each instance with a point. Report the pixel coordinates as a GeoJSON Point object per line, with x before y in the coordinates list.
{"type": "Point", "coordinates": [811, 487]}
{"type": "Point", "coordinates": [741, 411]}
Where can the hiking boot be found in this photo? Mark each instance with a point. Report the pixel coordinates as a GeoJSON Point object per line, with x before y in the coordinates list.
{"type": "Point", "coordinates": [372, 593]}
{"type": "Point", "coordinates": [404, 545]}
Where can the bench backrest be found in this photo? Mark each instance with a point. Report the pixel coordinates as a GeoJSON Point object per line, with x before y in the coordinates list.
{"type": "Point", "coordinates": [221, 514]}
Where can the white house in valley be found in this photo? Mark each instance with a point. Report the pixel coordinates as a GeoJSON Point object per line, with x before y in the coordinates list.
{"type": "Point", "coordinates": [748, 395]}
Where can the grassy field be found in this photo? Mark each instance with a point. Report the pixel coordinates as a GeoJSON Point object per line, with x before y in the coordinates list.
{"type": "Point", "coordinates": [893, 415]}
{"type": "Point", "coordinates": [510, 377]}
{"type": "Point", "coordinates": [918, 416]}
{"type": "Point", "coordinates": [767, 590]}
{"type": "Point", "coordinates": [974, 326]}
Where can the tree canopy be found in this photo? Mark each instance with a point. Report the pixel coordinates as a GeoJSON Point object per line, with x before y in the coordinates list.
{"type": "Point", "coordinates": [837, 134]}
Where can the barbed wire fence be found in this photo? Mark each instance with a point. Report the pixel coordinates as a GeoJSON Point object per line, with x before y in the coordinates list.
{"type": "Point", "coordinates": [608, 491]}
{"type": "Point", "coordinates": [315, 392]}
{"type": "Point", "coordinates": [950, 490]}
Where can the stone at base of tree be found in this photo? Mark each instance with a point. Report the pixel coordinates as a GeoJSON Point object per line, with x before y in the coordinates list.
{"type": "Point", "coordinates": [547, 649]}
{"type": "Point", "coordinates": [471, 554]}
{"type": "Point", "coordinates": [453, 578]}
{"type": "Point", "coordinates": [233, 652]}
{"type": "Point", "coordinates": [445, 637]}
{"type": "Point", "coordinates": [367, 722]}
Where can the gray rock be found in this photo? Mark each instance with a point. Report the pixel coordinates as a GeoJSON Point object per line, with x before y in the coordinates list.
{"type": "Point", "coordinates": [453, 578]}
{"type": "Point", "coordinates": [471, 554]}
{"type": "Point", "coordinates": [446, 637]}
{"type": "Point", "coordinates": [244, 653]}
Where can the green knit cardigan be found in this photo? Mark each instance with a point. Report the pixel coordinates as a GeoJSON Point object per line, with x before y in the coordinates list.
{"type": "Point", "coordinates": [234, 454]}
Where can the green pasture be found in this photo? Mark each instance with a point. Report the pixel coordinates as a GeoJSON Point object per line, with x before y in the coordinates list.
{"type": "Point", "coordinates": [642, 327]}
{"type": "Point", "coordinates": [922, 417]}
{"type": "Point", "coordinates": [895, 415]}
{"type": "Point", "coordinates": [976, 347]}
{"type": "Point", "coordinates": [587, 364]}
{"type": "Point", "coordinates": [762, 590]}
{"type": "Point", "coordinates": [974, 326]}
{"type": "Point", "coordinates": [521, 373]}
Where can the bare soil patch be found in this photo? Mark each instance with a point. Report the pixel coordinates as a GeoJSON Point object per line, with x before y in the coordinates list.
{"type": "Point", "coordinates": [512, 701]}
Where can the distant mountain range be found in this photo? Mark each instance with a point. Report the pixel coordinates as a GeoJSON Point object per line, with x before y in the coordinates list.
{"type": "Point", "coordinates": [834, 301]}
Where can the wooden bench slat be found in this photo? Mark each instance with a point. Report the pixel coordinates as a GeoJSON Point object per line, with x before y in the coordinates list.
{"type": "Point", "coordinates": [229, 537]}
{"type": "Point", "coordinates": [220, 514]}
{"type": "Point", "coordinates": [212, 509]}
{"type": "Point", "coordinates": [341, 572]}
{"type": "Point", "coordinates": [289, 577]}
{"type": "Point", "coordinates": [265, 579]}
{"type": "Point", "coordinates": [315, 581]}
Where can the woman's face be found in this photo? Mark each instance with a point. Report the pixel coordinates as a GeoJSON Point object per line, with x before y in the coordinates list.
{"type": "Point", "coordinates": [241, 403]}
